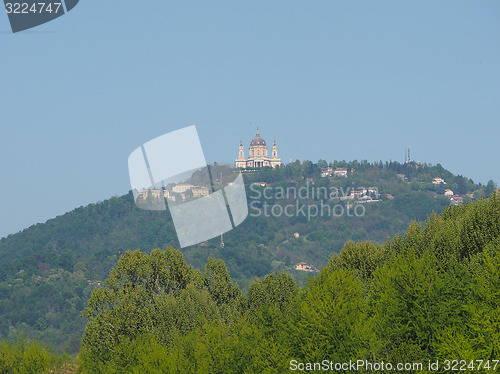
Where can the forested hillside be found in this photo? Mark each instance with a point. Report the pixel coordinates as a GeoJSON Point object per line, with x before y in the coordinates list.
{"type": "Point", "coordinates": [49, 270]}
{"type": "Point", "coordinates": [430, 294]}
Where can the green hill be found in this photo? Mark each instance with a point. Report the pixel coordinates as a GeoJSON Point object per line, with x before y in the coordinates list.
{"type": "Point", "coordinates": [429, 297]}
{"type": "Point", "coordinates": [49, 270]}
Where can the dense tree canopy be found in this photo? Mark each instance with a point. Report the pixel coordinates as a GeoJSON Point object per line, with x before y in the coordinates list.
{"type": "Point", "coordinates": [430, 294]}
{"type": "Point", "coordinates": [49, 271]}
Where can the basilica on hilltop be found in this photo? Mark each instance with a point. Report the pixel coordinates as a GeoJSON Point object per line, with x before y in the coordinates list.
{"type": "Point", "coordinates": [257, 157]}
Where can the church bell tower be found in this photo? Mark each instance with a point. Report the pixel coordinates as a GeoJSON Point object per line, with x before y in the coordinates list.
{"type": "Point", "coordinates": [275, 161]}
{"type": "Point", "coordinates": [241, 162]}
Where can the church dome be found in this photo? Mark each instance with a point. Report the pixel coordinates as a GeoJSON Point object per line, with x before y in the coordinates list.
{"type": "Point", "coordinates": [258, 141]}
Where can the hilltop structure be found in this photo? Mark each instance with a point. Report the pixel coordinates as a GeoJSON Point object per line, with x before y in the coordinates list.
{"type": "Point", "coordinates": [258, 157]}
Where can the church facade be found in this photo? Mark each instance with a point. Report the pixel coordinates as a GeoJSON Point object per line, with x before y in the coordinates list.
{"type": "Point", "coordinates": [257, 154]}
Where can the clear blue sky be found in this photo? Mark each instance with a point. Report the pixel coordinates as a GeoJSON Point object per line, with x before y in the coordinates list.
{"type": "Point", "coordinates": [328, 79]}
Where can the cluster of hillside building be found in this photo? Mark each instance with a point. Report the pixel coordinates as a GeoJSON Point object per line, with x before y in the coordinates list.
{"type": "Point", "coordinates": [181, 190]}
{"type": "Point", "coordinates": [454, 198]}
{"type": "Point", "coordinates": [371, 194]}
{"type": "Point", "coordinates": [338, 172]}
{"type": "Point", "coordinates": [363, 195]}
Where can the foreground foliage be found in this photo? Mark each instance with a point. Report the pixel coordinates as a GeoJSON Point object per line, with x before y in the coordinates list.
{"type": "Point", "coordinates": [430, 294]}
{"type": "Point", "coordinates": [49, 270]}
{"type": "Point", "coordinates": [28, 357]}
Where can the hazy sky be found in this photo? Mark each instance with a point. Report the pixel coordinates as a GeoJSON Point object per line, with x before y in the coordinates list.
{"type": "Point", "coordinates": [327, 79]}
